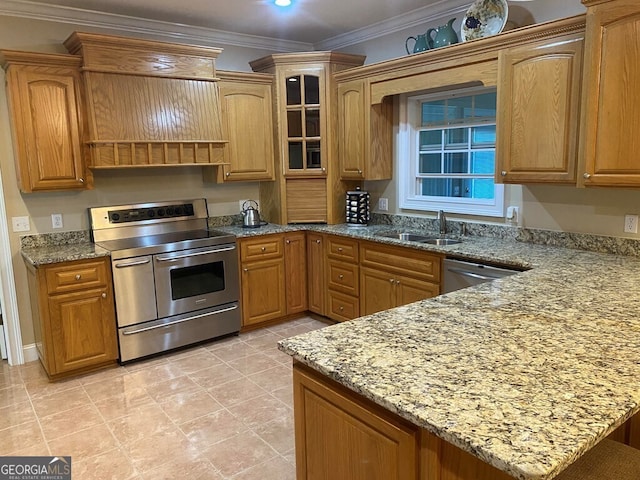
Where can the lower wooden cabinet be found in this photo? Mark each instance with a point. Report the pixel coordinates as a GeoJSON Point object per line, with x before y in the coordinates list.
{"type": "Point", "coordinates": [315, 273]}
{"type": "Point", "coordinates": [295, 263]}
{"type": "Point", "coordinates": [74, 316]}
{"type": "Point", "coordinates": [342, 278]}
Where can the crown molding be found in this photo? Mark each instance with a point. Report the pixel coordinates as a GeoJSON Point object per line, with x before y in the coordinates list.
{"type": "Point", "coordinates": [414, 18]}
{"type": "Point", "coordinates": [127, 24]}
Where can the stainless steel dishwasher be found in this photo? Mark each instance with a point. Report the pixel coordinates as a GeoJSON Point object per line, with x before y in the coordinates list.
{"type": "Point", "coordinates": [460, 274]}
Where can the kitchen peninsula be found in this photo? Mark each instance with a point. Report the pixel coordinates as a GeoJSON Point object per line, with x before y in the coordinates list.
{"type": "Point", "coordinates": [525, 373]}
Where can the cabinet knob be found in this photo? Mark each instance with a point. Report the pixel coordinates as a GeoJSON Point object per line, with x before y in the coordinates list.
{"type": "Point", "coordinates": [78, 276]}
{"type": "Point", "coordinates": [340, 249]}
{"type": "Point", "coordinates": [288, 241]}
{"type": "Point", "coordinates": [503, 173]}
{"type": "Point", "coordinates": [81, 180]}
{"type": "Point", "coordinates": [264, 249]}
{"type": "Point", "coordinates": [359, 172]}
{"type": "Point", "coordinates": [397, 282]}
{"type": "Point", "coordinates": [341, 276]}
{"type": "Point", "coordinates": [341, 308]}
{"type": "Point", "coordinates": [104, 295]}
{"type": "Point", "coordinates": [245, 270]}
{"type": "Point", "coordinates": [391, 280]}
{"type": "Point", "coordinates": [228, 174]}
{"type": "Point", "coordinates": [318, 242]}
{"type": "Point", "coordinates": [586, 176]}
{"type": "Point", "coordinates": [324, 169]}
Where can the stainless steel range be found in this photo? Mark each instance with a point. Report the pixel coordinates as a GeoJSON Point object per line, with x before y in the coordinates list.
{"type": "Point", "coordinates": [175, 282]}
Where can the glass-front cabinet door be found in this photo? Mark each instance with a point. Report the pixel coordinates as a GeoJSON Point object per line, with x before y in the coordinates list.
{"type": "Point", "coordinates": [303, 148]}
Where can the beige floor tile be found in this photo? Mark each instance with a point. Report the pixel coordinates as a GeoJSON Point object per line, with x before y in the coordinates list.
{"type": "Point", "coordinates": [32, 371]}
{"type": "Point", "coordinates": [161, 390]}
{"type": "Point", "coordinates": [212, 376]}
{"type": "Point", "coordinates": [274, 354]}
{"type": "Point", "coordinates": [112, 387]}
{"type": "Point", "coordinates": [222, 342]}
{"type": "Point", "coordinates": [268, 339]}
{"type": "Point", "coordinates": [213, 428]}
{"type": "Point", "coordinates": [198, 469]}
{"type": "Point", "coordinates": [279, 434]}
{"type": "Point", "coordinates": [234, 351]}
{"type": "Point", "coordinates": [276, 468]}
{"type": "Point", "coordinates": [16, 414]}
{"type": "Point", "coordinates": [37, 388]}
{"type": "Point", "coordinates": [145, 421]}
{"type": "Point", "coordinates": [290, 457]}
{"type": "Point", "coordinates": [70, 421]}
{"type": "Point", "coordinates": [20, 437]}
{"type": "Point", "coordinates": [285, 395]}
{"type": "Point", "coordinates": [124, 404]}
{"type": "Point", "coordinates": [84, 444]}
{"type": "Point", "coordinates": [159, 449]}
{"type": "Point", "coordinates": [111, 465]}
{"type": "Point", "coordinates": [251, 363]}
{"type": "Point", "coordinates": [60, 401]}
{"type": "Point", "coordinates": [260, 410]}
{"type": "Point", "coordinates": [13, 394]}
{"type": "Point", "coordinates": [238, 453]}
{"type": "Point", "coordinates": [156, 374]}
{"type": "Point", "coordinates": [187, 406]}
{"type": "Point", "coordinates": [236, 391]}
{"type": "Point", "coordinates": [146, 363]}
{"type": "Point", "coordinates": [36, 449]}
{"type": "Point", "coordinates": [198, 361]}
{"type": "Point", "coordinates": [9, 376]}
{"type": "Point", "coordinates": [102, 375]}
{"type": "Point", "coordinates": [273, 379]}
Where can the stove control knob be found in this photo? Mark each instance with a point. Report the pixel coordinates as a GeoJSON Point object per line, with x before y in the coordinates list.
{"type": "Point", "coordinates": [178, 211]}
{"type": "Point", "coordinates": [161, 212]}
{"type": "Point", "coordinates": [170, 211]}
{"type": "Point", "coordinates": [151, 213]}
{"type": "Point", "coordinates": [115, 217]}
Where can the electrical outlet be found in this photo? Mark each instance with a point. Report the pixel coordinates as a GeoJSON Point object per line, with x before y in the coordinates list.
{"type": "Point", "coordinates": [513, 215]}
{"type": "Point", "coordinates": [20, 224]}
{"type": "Point", "coordinates": [383, 204]}
{"type": "Point", "coordinates": [56, 220]}
{"type": "Point", "coordinates": [631, 224]}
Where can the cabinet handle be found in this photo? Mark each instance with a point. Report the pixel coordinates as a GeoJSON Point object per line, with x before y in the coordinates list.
{"type": "Point", "coordinates": [78, 276]}
{"type": "Point", "coordinates": [263, 249]}
{"type": "Point", "coordinates": [104, 295]}
{"type": "Point", "coordinates": [81, 180]}
{"type": "Point", "coordinates": [318, 242]}
{"type": "Point", "coordinates": [503, 173]}
{"type": "Point", "coordinates": [245, 270]}
{"type": "Point", "coordinates": [586, 176]}
{"type": "Point", "coordinates": [341, 276]}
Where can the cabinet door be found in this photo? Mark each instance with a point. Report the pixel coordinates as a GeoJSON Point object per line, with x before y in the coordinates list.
{"type": "Point", "coordinates": [248, 126]}
{"type": "Point", "coordinates": [538, 118]}
{"type": "Point", "coordinates": [315, 273]}
{"type": "Point", "coordinates": [83, 329]}
{"type": "Point", "coordinates": [610, 140]}
{"type": "Point", "coordinates": [263, 291]}
{"type": "Point", "coordinates": [339, 436]}
{"type": "Point", "coordinates": [295, 262]}
{"type": "Point", "coordinates": [351, 129]}
{"type": "Point", "coordinates": [409, 290]}
{"type": "Point", "coordinates": [45, 106]}
{"type": "Point", "coordinates": [377, 291]}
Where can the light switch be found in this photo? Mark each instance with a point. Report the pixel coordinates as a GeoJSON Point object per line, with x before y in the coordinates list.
{"type": "Point", "coordinates": [20, 224]}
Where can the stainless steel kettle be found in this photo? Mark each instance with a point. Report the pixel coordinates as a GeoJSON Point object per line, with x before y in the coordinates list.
{"type": "Point", "coordinates": [250, 214]}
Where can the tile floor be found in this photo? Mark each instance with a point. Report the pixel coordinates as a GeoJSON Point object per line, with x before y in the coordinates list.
{"type": "Point", "coordinates": [223, 410]}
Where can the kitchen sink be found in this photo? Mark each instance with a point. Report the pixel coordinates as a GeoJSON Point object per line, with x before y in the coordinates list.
{"type": "Point", "coordinates": [416, 237]}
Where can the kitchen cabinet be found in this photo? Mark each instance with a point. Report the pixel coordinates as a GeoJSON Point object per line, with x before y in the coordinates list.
{"type": "Point", "coordinates": [365, 143]}
{"type": "Point", "coordinates": [295, 262]}
{"type": "Point", "coordinates": [74, 316]}
{"type": "Point", "coordinates": [46, 107]}
{"type": "Point", "coordinates": [316, 283]}
{"type": "Point", "coordinates": [342, 277]}
{"type": "Point", "coordinates": [392, 276]}
{"type": "Point", "coordinates": [539, 86]}
{"type": "Point", "coordinates": [611, 100]}
{"type": "Point", "coordinates": [262, 279]}
{"type": "Point", "coordinates": [308, 188]}
{"type": "Point", "coordinates": [247, 123]}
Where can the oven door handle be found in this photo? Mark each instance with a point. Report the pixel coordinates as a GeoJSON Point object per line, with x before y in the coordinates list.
{"type": "Point", "coordinates": [155, 327]}
{"type": "Point", "coordinates": [132, 264]}
{"type": "Point", "coordinates": [188, 255]}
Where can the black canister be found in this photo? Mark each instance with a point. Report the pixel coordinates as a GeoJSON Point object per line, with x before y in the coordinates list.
{"type": "Point", "coordinates": [358, 212]}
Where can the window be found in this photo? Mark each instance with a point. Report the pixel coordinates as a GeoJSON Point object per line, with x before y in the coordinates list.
{"type": "Point", "coordinates": [447, 146]}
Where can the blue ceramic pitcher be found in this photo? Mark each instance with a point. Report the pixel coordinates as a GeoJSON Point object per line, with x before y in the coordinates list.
{"type": "Point", "coordinates": [444, 35]}
{"type": "Point", "coordinates": [420, 44]}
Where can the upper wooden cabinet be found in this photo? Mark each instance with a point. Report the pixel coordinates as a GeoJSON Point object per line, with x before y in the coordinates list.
{"type": "Point", "coordinates": [247, 122]}
{"type": "Point", "coordinates": [46, 105]}
{"type": "Point", "coordinates": [538, 111]}
{"type": "Point", "coordinates": [365, 131]}
{"type": "Point", "coordinates": [149, 103]}
{"type": "Point", "coordinates": [609, 137]}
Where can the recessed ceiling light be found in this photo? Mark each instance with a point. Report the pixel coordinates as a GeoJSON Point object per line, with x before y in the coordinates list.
{"type": "Point", "coordinates": [283, 3]}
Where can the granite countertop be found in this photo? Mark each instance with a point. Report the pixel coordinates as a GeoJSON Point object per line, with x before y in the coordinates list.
{"type": "Point", "coordinates": [526, 372]}
{"type": "Point", "coordinates": [66, 252]}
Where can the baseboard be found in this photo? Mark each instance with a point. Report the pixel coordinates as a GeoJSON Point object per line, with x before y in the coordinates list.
{"type": "Point", "coordinates": [30, 353]}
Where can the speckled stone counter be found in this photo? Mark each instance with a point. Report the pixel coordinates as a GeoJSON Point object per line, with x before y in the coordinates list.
{"type": "Point", "coordinates": [43, 255]}
{"type": "Point", "coordinates": [527, 372]}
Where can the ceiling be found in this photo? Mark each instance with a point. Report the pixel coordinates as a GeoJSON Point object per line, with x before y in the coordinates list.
{"type": "Point", "coordinates": [306, 21]}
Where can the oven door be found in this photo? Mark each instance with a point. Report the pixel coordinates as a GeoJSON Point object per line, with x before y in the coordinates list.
{"type": "Point", "coordinates": [190, 280]}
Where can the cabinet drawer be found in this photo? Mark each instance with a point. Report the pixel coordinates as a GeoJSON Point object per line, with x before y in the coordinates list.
{"type": "Point", "coordinates": [77, 276]}
{"type": "Point", "coordinates": [406, 261]}
{"type": "Point", "coordinates": [343, 277]}
{"type": "Point", "coordinates": [262, 248]}
{"type": "Point", "coordinates": [343, 307]}
{"type": "Point", "coordinates": [342, 249]}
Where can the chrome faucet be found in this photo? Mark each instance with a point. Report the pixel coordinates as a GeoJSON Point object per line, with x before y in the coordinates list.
{"type": "Point", "coordinates": [442, 222]}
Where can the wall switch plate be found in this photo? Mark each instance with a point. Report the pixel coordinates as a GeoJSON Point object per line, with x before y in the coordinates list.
{"type": "Point", "coordinates": [20, 224]}
{"type": "Point", "coordinates": [56, 220]}
{"type": "Point", "coordinates": [513, 214]}
{"type": "Point", "coordinates": [383, 204]}
{"type": "Point", "coordinates": [631, 224]}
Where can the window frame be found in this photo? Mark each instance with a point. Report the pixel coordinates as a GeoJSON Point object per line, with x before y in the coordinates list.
{"type": "Point", "coordinates": [408, 151]}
